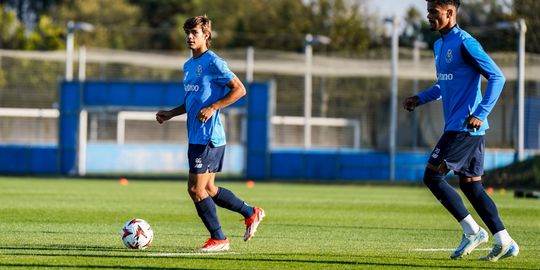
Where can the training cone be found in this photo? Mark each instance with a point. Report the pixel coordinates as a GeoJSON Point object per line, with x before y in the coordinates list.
{"type": "Point", "coordinates": [250, 183]}
{"type": "Point", "coordinates": [123, 181]}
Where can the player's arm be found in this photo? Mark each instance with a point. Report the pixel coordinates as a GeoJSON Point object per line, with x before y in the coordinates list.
{"type": "Point", "coordinates": [430, 94]}
{"type": "Point", "coordinates": [164, 115]}
{"type": "Point", "coordinates": [238, 90]}
{"type": "Point", "coordinates": [474, 55]}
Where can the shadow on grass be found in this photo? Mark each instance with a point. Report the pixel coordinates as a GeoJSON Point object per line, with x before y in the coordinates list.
{"type": "Point", "coordinates": [235, 260]}
{"type": "Point", "coordinates": [90, 266]}
{"type": "Point", "coordinates": [407, 229]}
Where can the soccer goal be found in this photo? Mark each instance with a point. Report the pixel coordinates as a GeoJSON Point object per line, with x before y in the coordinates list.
{"type": "Point", "coordinates": [132, 142]}
{"type": "Point", "coordinates": [28, 126]}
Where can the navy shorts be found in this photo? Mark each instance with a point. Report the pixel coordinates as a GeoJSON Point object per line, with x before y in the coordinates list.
{"type": "Point", "coordinates": [461, 152]}
{"type": "Point", "coordinates": [205, 158]}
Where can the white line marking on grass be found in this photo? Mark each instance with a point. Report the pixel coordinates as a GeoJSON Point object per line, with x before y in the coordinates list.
{"type": "Point", "coordinates": [192, 254]}
{"type": "Point", "coordinates": [442, 249]}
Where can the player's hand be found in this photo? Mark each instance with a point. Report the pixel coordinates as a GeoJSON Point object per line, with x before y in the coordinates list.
{"type": "Point", "coordinates": [205, 114]}
{"type": "Point", "coordinates": [410, 103]}
{"type": "Point", "coordinates": [163, 116]}
{"type": "Point", "coordinates": [473, 123]}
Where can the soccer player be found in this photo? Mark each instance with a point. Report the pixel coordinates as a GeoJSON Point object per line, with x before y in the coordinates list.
{"type": "Point", "coordinates": [460, 61]}
{"type": "Point", "coordinates": [209, 87]}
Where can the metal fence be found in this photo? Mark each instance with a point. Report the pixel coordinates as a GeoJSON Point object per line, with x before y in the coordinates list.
{"type": "Point", "coordinates": [355, 92]}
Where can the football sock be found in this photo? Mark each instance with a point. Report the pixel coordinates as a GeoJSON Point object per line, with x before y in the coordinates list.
{"type": "Point", "coordinates": [207, 211]}
{"type": "Point", "coordinates": [226, 199]}
{"type": "Point", "coordinates": [483, 204]}
{"type": "Point", "coordinates": [469, 225]}
{"type": "Point", "coordinates": [445, 193]}
{"type": "Point", "coordinates": [502, 237]}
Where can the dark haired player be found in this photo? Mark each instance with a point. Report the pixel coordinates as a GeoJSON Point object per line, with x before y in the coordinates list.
{"type": "Point", "coordinates": [460, 61]}
{"type": "Point", "coordinates": [210, 86]}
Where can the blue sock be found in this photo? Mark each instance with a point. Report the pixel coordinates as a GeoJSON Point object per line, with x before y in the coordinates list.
{"type": "Point", "coordinates": [483, 204]}
{"type": "Point", "coordinates": [207, 211]}
{"type": "Point", "coordinates": [226, 199]}
{"type": "Point", "coordinates": [445, 193]}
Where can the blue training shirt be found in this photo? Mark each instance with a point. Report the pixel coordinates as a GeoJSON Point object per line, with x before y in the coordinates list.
{"type": "Point", "coordinates": [459, 61]}
{"type": "Point", "coordinates": [205, 82]}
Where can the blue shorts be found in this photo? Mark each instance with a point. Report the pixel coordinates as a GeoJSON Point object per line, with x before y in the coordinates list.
{"type": "Point", "coordinates": [205, 158]}
{"type": "Point", "coordinates": [461, 152]}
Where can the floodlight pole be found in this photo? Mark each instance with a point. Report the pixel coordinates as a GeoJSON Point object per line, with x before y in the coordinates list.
{"type": "Point", "coordinates": [69, 51]}
{"type": "Point", "coordinates": [393, 96]}
{"type": "Point", "coordinates": [522, 28]}
{"type": "Point", "coordinates": [82, 63]}
{"type": "Point", "coordinates": [249, 64]}
{"type": "Point", "coordinates": [73, 27]}
{"type": "Point", "coordinates": [417, 45]}
{"type": "Point", "coordinates": [308, 90]}
{"type": "Point", "coordinates": [309, 41]}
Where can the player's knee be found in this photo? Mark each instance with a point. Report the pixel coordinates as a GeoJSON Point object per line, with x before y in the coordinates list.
{"type": "Point", "coordinates": [211, 189]}
{"type": "Point", "coordinates": [196, 193]}
{"type": "Point", "coordinates": [432, 177]}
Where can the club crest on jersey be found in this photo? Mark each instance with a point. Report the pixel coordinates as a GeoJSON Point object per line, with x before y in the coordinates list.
{"type": "Point", "coordinates": [199, 70]}
{"type": "Point", "coordinates": [449, 56]}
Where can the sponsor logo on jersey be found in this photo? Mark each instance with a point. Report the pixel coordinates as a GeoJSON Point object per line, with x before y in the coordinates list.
{"type": "Point", "coordinates": [191, 87]}
{"type": "Point", "coordinates": [445, 76]}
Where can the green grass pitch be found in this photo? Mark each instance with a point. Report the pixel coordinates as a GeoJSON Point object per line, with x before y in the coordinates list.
{"type": "Point", "coordinates": [76, 223]}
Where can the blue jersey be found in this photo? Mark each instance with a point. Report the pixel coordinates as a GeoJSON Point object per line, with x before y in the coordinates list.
{"type": "Point", "coordinates": [459, 61]}
{"type": "Point", "coordinates": [205, 82]}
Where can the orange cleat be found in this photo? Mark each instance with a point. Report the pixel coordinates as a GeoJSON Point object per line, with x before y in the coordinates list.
{"type": "Point", "coordinates": [213, 245]}
{"type": "Point", "coordinates": [253, 222]}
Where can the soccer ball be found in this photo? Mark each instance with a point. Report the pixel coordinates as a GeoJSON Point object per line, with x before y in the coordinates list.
{"type": "Point", "coordinates": [137, 234]}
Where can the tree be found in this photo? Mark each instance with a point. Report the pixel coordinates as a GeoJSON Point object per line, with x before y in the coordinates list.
{"type": "Point", "coordinates": [46, 36]}
{"type": "Point", "coordinates": [346, 26]}
{"type": "Point", "coordinates": [115, 22]}
{"type": "Point", "coordinates": [164, 20]}
{"type": "Point", "coordinates": [29, 11]}
{"type": "Point", "coordinates": [480, 18]}
{"type": "Point", "coordinates": [528, 10]}
{"type": "Point", "coordinates": [11, 30]}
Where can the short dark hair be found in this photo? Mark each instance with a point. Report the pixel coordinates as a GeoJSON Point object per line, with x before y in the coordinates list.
{"type": "Point", "coordinates": [454, 3]}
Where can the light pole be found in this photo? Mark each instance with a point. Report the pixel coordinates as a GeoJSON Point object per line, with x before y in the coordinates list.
{"type": "Point", "coordinates": [309, 41]}
{"type": "Point", "coordinates": [73, 27]}
{"type": "Point", "coordinates": [393, 95]}
{"type": "Point", "coordinates": [417, 45]}
{"type": "Point", "coordinates": [521, 27]}
{"type": "Point", "coordinates": [249, 64]}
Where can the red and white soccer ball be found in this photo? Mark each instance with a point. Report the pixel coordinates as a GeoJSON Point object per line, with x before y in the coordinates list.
{"type": "Point", "coordinates": [137, 234]}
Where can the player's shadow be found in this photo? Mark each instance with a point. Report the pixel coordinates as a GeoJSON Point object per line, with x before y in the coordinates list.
{"type": "Point", "coordinates": [407, 229]}
{"type": "Point", "coordinates": [64, 248]}
{"type": "Point", "coordinates": [88, 266]}
{"type": "Point", "coordinates": [233, 257]}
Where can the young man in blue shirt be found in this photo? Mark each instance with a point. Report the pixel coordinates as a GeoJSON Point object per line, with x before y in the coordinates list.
{"type": "Point", "coordinates": [460, 61]}
{"type": "Point", "coordinates": [209, 87]}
